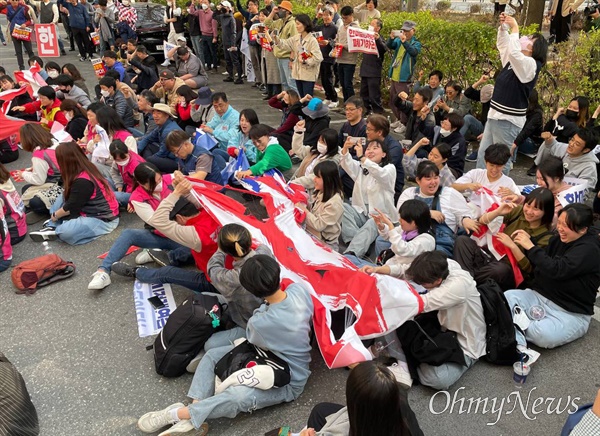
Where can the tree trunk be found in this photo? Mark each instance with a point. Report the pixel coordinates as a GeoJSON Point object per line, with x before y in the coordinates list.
{"type": "Point", "coordinates": [533, 12]}
{"type": "Point", "coordinates": [413, 5]}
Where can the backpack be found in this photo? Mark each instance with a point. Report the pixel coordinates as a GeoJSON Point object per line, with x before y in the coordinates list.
{"type": "Point", "coordinates": [17, 414]}
{"type": "Point", "coordinates": [41, 271]}
{"type": "Point", "coordinates": [185, 333]}
{"type": "Point", "coordinates": [500, 338]}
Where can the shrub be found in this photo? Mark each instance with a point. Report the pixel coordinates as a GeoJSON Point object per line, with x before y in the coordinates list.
{"type": "Point", "coordinates": [443, 5]}
{"type": "Point", "coordinates": [475, 9]}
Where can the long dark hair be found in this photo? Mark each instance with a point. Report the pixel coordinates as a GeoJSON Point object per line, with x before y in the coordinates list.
{"type": "Point", "coordinates": [384, 148]}
{"type": "Point", "coordinates": [145, 173]}
{"type": "Point", "coordinates": [187, 92]}
{"type": "Point", "coordinates": [72, 161]}
{"type": "Point", "coordinates": [34, 135]}
{"type": "Point", "coordinates": [109, 120]}
{"type": "Point", "coordinates": [330, 136]}
{"type": "Point", "coordinates": [4, 174]}
{"type": "Point", "coordinates": [374, 401]}
{"type": "Point", "coordinates": [332, 182]}
{"type": "Point", "coordinates": [73, 71]}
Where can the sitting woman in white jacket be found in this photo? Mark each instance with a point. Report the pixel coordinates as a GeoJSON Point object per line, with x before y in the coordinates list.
{"type": "Point", "coordinates": [411, 238]}
{"type": "Point", "coordinates": [326, 148]}
{"type": "Point", "coordinates": [374, 180]}
{"type": "Point", "coordinates": [324, 214]}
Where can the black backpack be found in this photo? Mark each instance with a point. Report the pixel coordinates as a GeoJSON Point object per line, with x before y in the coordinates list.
{"type": "Point", "coordinates": [500, 330]}
{"type": "Point", "coordinates": [185, 333]}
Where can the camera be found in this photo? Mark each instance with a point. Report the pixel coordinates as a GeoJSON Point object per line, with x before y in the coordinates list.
{"type": "Point", "coordinates": [589, 10]}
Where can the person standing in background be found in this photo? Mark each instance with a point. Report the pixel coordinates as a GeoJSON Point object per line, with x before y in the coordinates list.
{"type": "Point", "coordinates": [175, 22]}
{"type": "Point", "coordinates": [561, 13]}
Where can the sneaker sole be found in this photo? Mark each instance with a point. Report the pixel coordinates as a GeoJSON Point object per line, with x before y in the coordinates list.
{"type": "Point", "coordinates": [202, 431]}
{"type": "Point", "coordinates": [157, 259]}
{"type": "Point", "coordinates": [42, 238]}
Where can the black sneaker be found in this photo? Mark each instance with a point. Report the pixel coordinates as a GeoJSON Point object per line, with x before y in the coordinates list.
{"type": "Point", "coordinates": [238, 82]}
{"type": "Point", "coordinates": [472, 157]}
{"type": "Point", "coordinates": [160, 257]}
{"type": "Point", "coordinates": [63, 53]}
{"type": "Point", "coordinates": [44, 234]}
{"type": "Point", "coordinates": [124, 269]}
{"type": "Point", "coordinates": [228, 79]}
{"type": "Point", "coordinates": [532, 171]}
{"type": "Point", "coordinates": [72, 49]}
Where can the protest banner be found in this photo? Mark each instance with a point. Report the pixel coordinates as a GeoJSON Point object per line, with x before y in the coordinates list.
{"type": "Point", "coordinates": [47, 40]}
{"type": "Point", "coordinates": [575, 193]}
{"type": "Point", "coordinates": [361, 41]}
{"type": "Point", "coordinates": [167, 46]}
{"type": "Point", "coordinates": [151, 320]}
{"type": "Point", "coordinates": [99, 68]}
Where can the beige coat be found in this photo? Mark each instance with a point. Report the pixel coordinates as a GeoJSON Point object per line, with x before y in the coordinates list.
{"type": "Point", "coordinates": [309, 69]}
{"type": "Point", "coordinates": [287, 29]}
{"type": "Point", "coordinates": [171, 96]}
{"type": "Point", "coordinates": [324, 220]}
{"type": "Point", "coordinates": [567, 6]}
{"type": "Point", "coordinates": [303, 152]}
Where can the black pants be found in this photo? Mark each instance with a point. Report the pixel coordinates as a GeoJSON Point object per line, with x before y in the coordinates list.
{"type": "Point", "coordinates": [65, 20]}
{"type": "Point", "coordinates": [36, 204]}
{"type": "Point", "coordinates": [319, 413]}
{"type": "Point", "coordinates": [82, 41]}
{"type": "Point", "coordinates": [481, 265]}
{"type": "Point", "coordinates": [232, 60]}
{"type": "Point", "coordinates": [370, 92]}
{"type": "Point", "coordinates": [326, 74]}
{"type": "Point", "coordinates": [19, 51]}
{"type": "Point", "coordinates": [561, 26]}
{"type": "Point", "coordinates": [8, 156]}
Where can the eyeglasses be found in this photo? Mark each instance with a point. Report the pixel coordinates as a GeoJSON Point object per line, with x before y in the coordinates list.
{"type": "Point", "coordinates": [350, 109]}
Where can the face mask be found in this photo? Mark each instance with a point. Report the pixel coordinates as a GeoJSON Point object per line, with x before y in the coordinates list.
{"type": "Point", "coordinates": [444, 132]}
{"type": "Point", "coordinates": [159, 187]}
{"type": "Point", "coordinates": [525, 43]}
{"type": "Point", "coordinates": [571, 114]}
{"type": "Point", "coordinates": [68, 116]}
{"type": "Point", "coordinates": [53, 74]}
{"type": "Point", "coordinates": [321, 148]}
{"type": "Point", "coordinates": [105, 94]}
{"type": "Point", "coordinates": [281, 14]}
{"type": "Point", "coordinates": [125, 162]}
{"type": "Point", "coordinates": [204, 6]}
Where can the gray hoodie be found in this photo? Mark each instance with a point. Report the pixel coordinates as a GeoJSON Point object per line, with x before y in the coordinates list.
{"type": "Point", "coordinates": [77, 94]}
{"type": "Point", "coordinates": [581, 167]}
{"type": "Point", "coordinates": [241, 302]}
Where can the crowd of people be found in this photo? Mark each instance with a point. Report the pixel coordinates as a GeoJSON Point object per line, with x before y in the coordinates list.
{"type": "Point", "coordinates": [141, 131]}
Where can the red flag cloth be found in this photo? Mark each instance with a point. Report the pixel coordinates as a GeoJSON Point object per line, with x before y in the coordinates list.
{"type": "Point", "coordinates": [9, 127]}
{"type": "Point", "coordinates": [379, 303]}
{"type": "Point", "coordinates": [129, 251]}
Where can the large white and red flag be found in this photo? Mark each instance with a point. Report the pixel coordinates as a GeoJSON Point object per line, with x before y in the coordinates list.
{"type": "Point", "coordinates": [379, 303]}
{"type": "Point", "coordinates": [31, 78]}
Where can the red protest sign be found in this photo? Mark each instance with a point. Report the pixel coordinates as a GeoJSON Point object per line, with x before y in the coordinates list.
{"type": "Point", "coordinates": [47, 40]}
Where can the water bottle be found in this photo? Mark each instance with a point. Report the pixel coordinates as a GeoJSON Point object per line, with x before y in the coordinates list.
{"type": "Point", "coordinates": [537, 312]}
{"type": "Point", "coordinates": [47, 248]}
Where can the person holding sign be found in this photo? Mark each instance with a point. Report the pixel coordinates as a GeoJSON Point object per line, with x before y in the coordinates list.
{"type": "Point", "coordinates": [306, 55]}
{"type": "Point", "coordinates": [18, 18]}
{"type": "Point", "coordinates": [370, 72]}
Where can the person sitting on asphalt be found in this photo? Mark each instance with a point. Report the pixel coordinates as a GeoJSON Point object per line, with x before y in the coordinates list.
{"type": "Point", "coordinates": [355, 125]}
{"type": "Point", "coordinates": [269, 154]}
{"type": "Point", "coordinates": [144, 67]}
{"type": "Point", "coordinates": [109, 57]}
{"type": "Point", "coordinates": [565, 284]}
{"type": "Point", "coordinates": [66, 88]}
{"type": "Point", "coordinates": [189, 68]}
{"type": "Point", "coordinates": [122, 169]}
{"type": "Point", "coordinates": [280, 326]}
{"type": "Point", "coordinates": [48, 105]}
{"type": "Point", "coordinates": [224, 123]}
{"type": "Point", "coordinates": [166, 87]}
{"type": "Point", "coordinates": [193, 159]}
{"type": "Point", "coordinates": [115, 99]}
{"type": "Point", "coordinates": [420, 120]}
{"type": "Point", "coordinates": [153, 146]}
{"type": "Point", "coordinates": [317, 118]}
{"type": "Point", "coordinates": [288, 102]}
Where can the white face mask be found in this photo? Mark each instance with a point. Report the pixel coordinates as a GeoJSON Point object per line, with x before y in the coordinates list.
{"type": "Point", "coordinates": [125, 162]}
{"type": "Point", "coordinates": [321, 148]}
{"type": "Point", "coordinates": [68, 116]}
{"type": "Point", "coordinates": [159, 187]}
{"type": "Point", "coordinates": [104, 93]}
{"type": "Point", "coordinates": [53, 74]}
{"type": "Point", "coordinates": [204, 6]}
{"type": "Point", "coordinates": [444, 132]}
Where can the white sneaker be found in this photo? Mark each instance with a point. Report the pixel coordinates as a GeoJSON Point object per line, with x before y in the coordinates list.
{"type": "Point", "coordinates": [402, 374]}
{"type": "Point", "coordinates": [154, 421]}
{"type": "Point", "coordinates": [166, 63]}
{"type": "Point", "coordinates": [194, 362]}
{"type": "Point", "coordinates": [395, 124]}
{"type": "Point", "coordinates": [333, 104]}
{"type": "Point", "coordinates": [44, 234]}
{"type": "Point", "coordinates": [224, 73]}
{"type": "Point", "coordinates": [182, 427]}
{"type": "Point", "coordinates": [400, 129]}
{"type": "Point", "coordinates": [100, 280]}
{"type": "Point", "coordinates": [143, 258]}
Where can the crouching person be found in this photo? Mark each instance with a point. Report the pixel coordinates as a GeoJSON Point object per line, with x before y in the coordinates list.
{"type": "Point", "coordinates": [451, 292]}
{"type": "Point", "coordinates": [281, 326]}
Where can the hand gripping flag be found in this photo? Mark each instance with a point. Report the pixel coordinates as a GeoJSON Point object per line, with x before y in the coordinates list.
{"type": "Point", "coordinates": [379, 303]}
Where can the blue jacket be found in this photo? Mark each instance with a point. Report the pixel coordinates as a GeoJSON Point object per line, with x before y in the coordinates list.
{"type": "Point", "coordinates": [412, 49]}
{"type": "Point", "coordinates": [118, 66]}
{"type": "Point", "coordinates": [159, 136]}
{"type": "Point", "coordinates": [18, 16]}
{"type": "Point", "coordinates": [79, 18]}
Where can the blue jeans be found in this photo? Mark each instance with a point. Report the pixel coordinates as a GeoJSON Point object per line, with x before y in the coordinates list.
{"type": "Point", "coordinates": [191, 279]}
{"type": "Point", "coordinates": [233, 400]}
{"type": "Point", "coordinates": [4, 264]}
{"type": "Point", "coordinates": [209, 52]}
{"type": "Point", "coordinates": [80, 230]}
{"type": "Point", "coordinates": [197, 46]}
{"type": "Point", "coordinates": [357, 261]}
{"type": "Point", "coordinates": [443, 376]}
{"type": "Point", "coordinates": [135, 132]}
{"type": "Point", "coordinates": [346, 72]}
{"type": "Point", "coordinates": [224, 338]}
{"type": "Point", "coordinates": [557, 328]}
{"type": "Point", "coordinates": [497, 132]}
{"type": "Point", "coordinates": [305, 87]}
{"type": "Point", "coordinates": [472, 126]}
{"type": "Point", "coordinates": [286, 75]}
{"type": "Point", "coordinates": [122, 197]}
{"type": "Point", "coordinates": [140, 237]}
{"type": "Point", "coordinates": [526, 147]}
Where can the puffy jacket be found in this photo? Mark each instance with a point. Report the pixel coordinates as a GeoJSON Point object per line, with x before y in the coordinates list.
{"type": "Point", "coordinates": [412, 49]}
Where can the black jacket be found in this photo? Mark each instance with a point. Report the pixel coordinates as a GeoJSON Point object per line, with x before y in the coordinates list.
{"type": "Point", "coordinates": [228, 28]}
{"type": "Point", "coordinates": [475, 95]}
{"type": "Point", "coordinates": [372, 65]}
{"type": "Point", "coordinates": [457, 143]}
{"type": "Point", "coordinates": [416, 128]}
{"type": "Point", "coordinates": [149, 76]}
{"type": "Point", "coordinates": [21, 100]}
{"type": "Point", "coordinates": [76, 127]}
{"type": "Point", "coordinates": [568, 274]}
{"type": "Point", "coordinates": [329, 34]}
{"type": "Point", "coordinates": [562, 128]}
{"type": "Point", "coordinates": [314, 129]}
{"type": "Point", "coordinates": [532, 128]}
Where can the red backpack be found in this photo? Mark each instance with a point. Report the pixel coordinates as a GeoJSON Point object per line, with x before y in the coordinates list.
{"type": "Point", "coordinates": [40, 271]}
